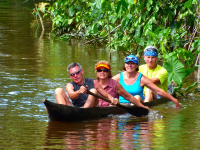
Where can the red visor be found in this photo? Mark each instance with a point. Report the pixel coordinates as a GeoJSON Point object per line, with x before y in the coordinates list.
{"type": "Point", "coordinates": [102, 66]}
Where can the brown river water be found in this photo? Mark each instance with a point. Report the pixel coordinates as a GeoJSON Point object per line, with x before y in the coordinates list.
{"type": "Point", "coordinates": [32, 66]}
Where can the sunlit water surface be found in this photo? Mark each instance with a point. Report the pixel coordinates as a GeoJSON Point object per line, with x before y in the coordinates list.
{"type": "Point", "coordinates": [32, 66]}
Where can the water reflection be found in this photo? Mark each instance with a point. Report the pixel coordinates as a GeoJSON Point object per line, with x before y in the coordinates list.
{"type": "Point", "coordinates": [105, 133]}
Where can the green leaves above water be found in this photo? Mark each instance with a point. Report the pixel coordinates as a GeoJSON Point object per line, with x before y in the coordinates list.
{"type": "Point", "coordinates": [178, 73]}
{"type": "Point", "coordinates": [176, 70]}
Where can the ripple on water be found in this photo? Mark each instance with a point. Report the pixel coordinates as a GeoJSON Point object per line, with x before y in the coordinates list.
{"type": "Point", "coordinates": [14, 92]}
{"type": "Point", "coordinates": [154, 115]}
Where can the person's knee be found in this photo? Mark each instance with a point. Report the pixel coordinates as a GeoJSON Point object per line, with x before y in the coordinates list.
{"type": "Point", "coordinates": [95, 100]}
{"type": "Point", "coordinates": [149, 92]}
{"type": "Point", "coordinates": [138, 97]}
{"type": "Point", "coordinates": [58, 91]}
{"type": "Point", "coordinates": [93, 91]}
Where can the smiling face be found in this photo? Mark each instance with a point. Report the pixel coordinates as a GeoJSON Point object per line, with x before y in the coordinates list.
{"type": "Point", "coordinates": [130, 66]}
{"type": "Point", "coordinates": [103, 70]}
{"type": "Point", "coordinates": [103, 73]}
{"type": "Point", "coordinates": [76, 75]}
{"type": "Point", "coordinates": [151, 61]}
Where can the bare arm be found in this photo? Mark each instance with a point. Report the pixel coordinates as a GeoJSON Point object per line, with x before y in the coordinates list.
{"type": "Point", "coordinates": [160, 76]}
{"type": "Point", "coordinates": [116, 77]}
{"type": "Point", "coordinates": [122, 92]}
{"type": "Point", "coordinates": [74, 94]}
{"type": "Point", "coordinates": [148, 83]}
{"type": "Point", "coordinates": [155, 80]}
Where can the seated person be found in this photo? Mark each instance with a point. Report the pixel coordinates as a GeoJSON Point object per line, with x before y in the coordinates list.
{"type": "Point", "coordinates": [153, 71]}
{"type": "Point", "coordinates": [77, 89]}
{"type": "Point", "coordinates": [112, 87]}
{"type": "Point", "coordinates": [133, 81]}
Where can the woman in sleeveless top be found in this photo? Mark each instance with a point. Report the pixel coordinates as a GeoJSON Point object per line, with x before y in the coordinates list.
{"type": "Point", "coordinates": [133, 82]}
{"type": "Point", "coordinates": [112, 87]}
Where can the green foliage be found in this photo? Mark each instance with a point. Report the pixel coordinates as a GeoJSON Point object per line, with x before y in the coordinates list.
{"type": "Point", "coordinates": [176, 70]}
{"type": "Point", "coordinates": [144, 22]}
{"type": "Point", "coordinates": [178, 74]}
{"type": "Point", "coordinates": [131, 25]}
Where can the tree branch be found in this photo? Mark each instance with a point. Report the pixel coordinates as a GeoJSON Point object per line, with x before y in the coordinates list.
{"type": "Point", "coordinates": [104, 36]}
{"type": "Point", "coordinates": [192, 37]}
{"type": "Point", "coordinates": [41, 22]}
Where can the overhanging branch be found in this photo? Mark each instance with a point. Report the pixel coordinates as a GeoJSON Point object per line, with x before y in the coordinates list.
{"type": "Point", "coordinates": [104, 36]}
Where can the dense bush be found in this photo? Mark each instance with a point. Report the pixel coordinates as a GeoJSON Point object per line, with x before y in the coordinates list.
{"type": "Point", "coordinates": [131, 25]}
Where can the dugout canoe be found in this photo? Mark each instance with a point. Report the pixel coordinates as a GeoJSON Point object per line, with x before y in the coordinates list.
{"type": "Point", "coordinates": [59, 112]}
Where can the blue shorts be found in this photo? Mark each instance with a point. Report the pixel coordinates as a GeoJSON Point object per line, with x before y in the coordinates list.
{"type": "Point", "coordinates": [157, 96]}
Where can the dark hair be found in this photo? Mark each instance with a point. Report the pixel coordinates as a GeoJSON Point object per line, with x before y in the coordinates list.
{"type": "Point", "coordinates": [72, 65]}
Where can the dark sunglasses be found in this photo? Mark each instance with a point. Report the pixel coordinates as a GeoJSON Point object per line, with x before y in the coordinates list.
{"type": "Point", "coordinates": [104, 70]}
{"type": "Point", "coordinates": [152, 49]}
{"type": "Point", "coordinates": [73, 74]}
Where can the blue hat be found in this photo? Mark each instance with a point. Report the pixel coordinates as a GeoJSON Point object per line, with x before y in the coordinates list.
{"type": "Point", "coordinates": [132, 58]}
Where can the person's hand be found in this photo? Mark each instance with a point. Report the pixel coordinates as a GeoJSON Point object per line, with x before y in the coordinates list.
{"type": "Point", "coordinates": [113, 100]}
{"type": "Point", "coordinates": [177, 105]}
{"type": "Point", "coordinates": [83, 89]}
{"type": "Point", "coordinates": [146, 107]}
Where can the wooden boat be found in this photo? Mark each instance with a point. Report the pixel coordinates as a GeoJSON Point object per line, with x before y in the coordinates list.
{"type": "Point", "coordinates": [59, 112]}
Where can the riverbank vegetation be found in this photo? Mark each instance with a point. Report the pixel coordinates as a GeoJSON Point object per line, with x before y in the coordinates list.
{"type": "Point", "coordinates": [129, 26]}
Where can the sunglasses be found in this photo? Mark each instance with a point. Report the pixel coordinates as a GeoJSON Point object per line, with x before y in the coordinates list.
{"type": "Point", "coordinates": [152, 49]}
{"type": "Point", "coordinates": [130, 58]}
{"type": "Point", "coordinates": [75, 73]}
{"type": "Point", "coordinates": [104, 70]}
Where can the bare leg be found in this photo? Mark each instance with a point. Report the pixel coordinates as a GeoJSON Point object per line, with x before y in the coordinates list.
{"type": "Point", "coordinates": [91, 101]}
{"type": "Point", "coordinates": [139, 98]}
{"type": "Point", "coordinates": [149, 95]}
{"type": "Point", "coordinates": [61, 97]}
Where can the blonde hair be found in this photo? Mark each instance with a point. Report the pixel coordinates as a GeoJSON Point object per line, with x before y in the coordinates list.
{"type": "Point", "coordinates": [106, 63]}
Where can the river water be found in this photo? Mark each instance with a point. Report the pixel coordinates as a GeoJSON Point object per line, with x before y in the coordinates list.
{"type": "Point", "coordinates": [33, 65]}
